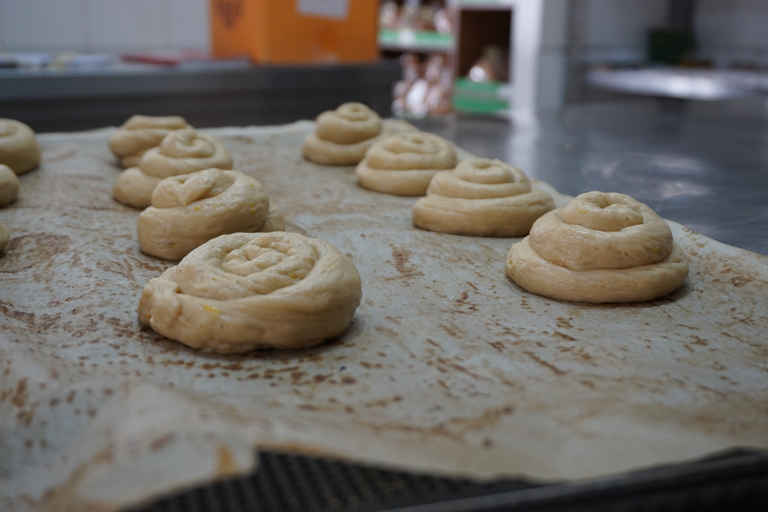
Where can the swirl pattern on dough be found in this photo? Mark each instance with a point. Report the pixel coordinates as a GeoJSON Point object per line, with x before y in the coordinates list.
{"type": "Point", "coordinates": [482, 197]}
{"type": "Point", "coordinates": [181, 152]}
{"type": "Point", "coordinates": [9, 186]}
{"type": "Point", "coordinates": [403, 164]}
{"type": "Point", "coordinates": [141, 133]}
{"type": "Point", "coordinates": [342, 136]}
{"type": "Point", "coordinates": [19, 149]}
{"type": "Point", "coordinates": [601, 247]}
{"type": "Point", "coordinates": [246, 291]}
{"type": "Point", "coordinates": [190, 209]}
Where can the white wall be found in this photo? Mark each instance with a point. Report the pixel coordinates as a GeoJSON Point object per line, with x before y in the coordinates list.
{"type": "Point", "coordinates": [615, 30]}
{"type": "Point", "coordinates": [95, 26]}
{"type": "Point", "coordinates": [733, 30]}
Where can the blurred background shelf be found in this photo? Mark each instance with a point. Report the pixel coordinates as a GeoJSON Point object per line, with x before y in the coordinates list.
{"type": "Point", "coordinates": [415, 41]}
{"type": "Point", "coordinates": [71, 100]}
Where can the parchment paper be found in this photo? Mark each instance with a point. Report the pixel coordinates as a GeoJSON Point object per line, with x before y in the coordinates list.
{"type": "Point", "coordinates": [447, 367]}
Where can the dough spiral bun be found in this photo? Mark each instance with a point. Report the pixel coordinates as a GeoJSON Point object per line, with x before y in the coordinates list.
{"type": "Point", "coordinates": [9, 186]}
{"type": "Point", "coordinates": [245, 291]}
{"type": "Point", "coordinates": [482, 197]}
{"type": "Point", "coordinates": [342, 136]}
{"type": "Point", "coordinates": [190, 209]}
{"type": "Point", "coordinates": [4, 236]}
{"type": "Point", "coordinates": [601, 247]}
{"type": "Point", "coordinates": [403, 164]}
{"type": "Point", "coordinates": [141, 133]}
{"type": "Point", "coordinates": [19, 149]}
{"type": "Point", "coordinates": [181, 152]}
{"type": "Point", "coordinates": [9, 191]}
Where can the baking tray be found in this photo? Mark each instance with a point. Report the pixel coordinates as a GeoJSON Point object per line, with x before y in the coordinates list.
{"type": "Point", "coordinates": [487, 383]}
{"type": "Point", "coordinates": [734, 480]}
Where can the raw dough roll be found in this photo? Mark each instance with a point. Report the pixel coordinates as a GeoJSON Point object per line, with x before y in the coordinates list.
{"type": "Point", "coordinates": [19, 149]}
{"type": "Point", "coordinates": [403, 164]}
{"type": "Point", "coordinates": [482, 197]}
{"type": "Point", "coordinates": [601, 247]}
{"type": "Point", "coordinates": [9, 186]}
{"type": "Point", "coordinates": [141, 133]}
{"type": "Point", "coordinates": [181, 152]}
{"type": "Point", "coordinates": [342, 136]}
{"type": "Point", "coordinates": [190, 209]}
{"type": "Point", "coordinates": [4, 236]}
{"type": "Point", "coordinates": [245, 291]}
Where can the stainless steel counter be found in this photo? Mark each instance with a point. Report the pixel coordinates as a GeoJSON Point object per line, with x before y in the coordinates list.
{"type": "Point", "coordinates": [73, 100]}
{"type": "Point", "coordinates": [702, 165]}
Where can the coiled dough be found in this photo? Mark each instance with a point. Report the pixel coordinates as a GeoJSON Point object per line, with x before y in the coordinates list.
{"type": "Point", "coordinates": [190, 209]}
{"type": "Point", "coordinates": [4, 236]}
{"type": "Point", "coordinates": [245, 291]}
{"type": "Point", "coordinates": [481, 197]}
{"type": "Point", "coordinates": [403, 164]}
{"type": "Point", "coordinates": [601, 247]}
{"type": "Point", "coordinates": [181, 152]}
{"type": "Point", "coordinates": [342, 136]}
{"type": "Point", "coordinates": [141, 133]}
{"type": "Point", "coordinates": [9, 191]}
{"type": "Point", "coordinates": [9, 186]}
{"type": "Point", "coordinates": [19, 149]}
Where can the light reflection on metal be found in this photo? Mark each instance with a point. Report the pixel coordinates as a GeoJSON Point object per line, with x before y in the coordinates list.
{"type": "Point", "coordinates": [696, 84]}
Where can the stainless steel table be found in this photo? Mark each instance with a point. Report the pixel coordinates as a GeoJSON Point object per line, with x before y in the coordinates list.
{"type": "Point", "coordinates": [704, 165]}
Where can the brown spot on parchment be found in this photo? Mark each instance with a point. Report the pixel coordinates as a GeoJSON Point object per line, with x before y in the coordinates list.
{"type": "Point", "coordinates": [20, 396]}
{"type": "Point", "coordinates": [161, 441]}
{"type": "Point", "coordinates": [739, 281]}
{"type": "Point", "coordinates": [402, 263]}
{"type": "Point", "coordinates": [27, 251]}
{"type": "Point", "coordinates": [545, 364]}
{"type": "Point", "coordinates": [564, 336]}
{"type": "Point", "coordinates": [226, 464]}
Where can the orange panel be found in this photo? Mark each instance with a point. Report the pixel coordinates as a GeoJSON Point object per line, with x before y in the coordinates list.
{"type": "Point", "coordinates": [272, 31]}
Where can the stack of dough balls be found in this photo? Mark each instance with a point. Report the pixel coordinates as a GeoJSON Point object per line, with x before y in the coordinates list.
{"type": "Point", "coordinates": [342, 136]}
{"type": "Point", "coordinates": [481, 197]}
{"type": "Point", "coordinates": [181, 152]}
{"type": "Point", "coordinates": [190, 209]}
{"type": "Point", "coordinates": [9, 191]}
{"type": "Point", "coordinates": [601, 247]}
{"type": "Point", "coordinates": [19, 149]}
{"type": "Point", "coordinates": [403, 164]}
{"type": "Point", "coordinates": [140, 134]}
{"type": "Point", "coordinates": [244, 291]}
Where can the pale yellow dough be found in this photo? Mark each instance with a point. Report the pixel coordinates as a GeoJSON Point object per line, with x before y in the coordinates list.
{"type": "Point", "coordinates": [190, 209]}
{"type": "Point", "coordinates": [181, 152]}
{"type": "Point", "coordinates": [403, 164]}
{"type": "Point", "coordinates": [141, 133]}
{"type": "Point", "coordinates": [9, 186]}
{"type": "Point", "coordinates": [4, 236]}
{"type": "Point", "coordinates": [481, 197]}
{"type": "Point", "coordinates": [19, 149]}
{"type": "Point", "coordinates": [246, 291]}
{"type": "Point", "coordinates": [601, 247]}
{"type": "Point", "coordinates": [342, 136]}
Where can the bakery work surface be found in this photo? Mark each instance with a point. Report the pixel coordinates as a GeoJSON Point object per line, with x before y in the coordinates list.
{"type": "Point", "coordinates": [447, 369]}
